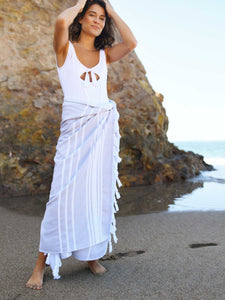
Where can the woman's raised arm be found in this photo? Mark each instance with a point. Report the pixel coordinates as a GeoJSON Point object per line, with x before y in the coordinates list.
{"type": "Point", "coordinates": [128, 40]}
{"type": "Point", "coordinates": [62, 24]}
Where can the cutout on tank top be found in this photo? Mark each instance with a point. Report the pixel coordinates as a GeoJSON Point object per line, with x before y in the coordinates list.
{"type": "Point", "coordinates": [83, 76]}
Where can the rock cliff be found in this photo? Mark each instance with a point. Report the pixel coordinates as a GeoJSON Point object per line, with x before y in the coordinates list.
{"type": "Point", "coordinates": [30, 108]}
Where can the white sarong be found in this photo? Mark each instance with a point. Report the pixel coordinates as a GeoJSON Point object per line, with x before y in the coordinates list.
{"type": "Point", "coordinates": [82, 203]}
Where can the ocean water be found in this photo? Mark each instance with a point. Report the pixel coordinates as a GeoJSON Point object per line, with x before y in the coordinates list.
{"type": "Point", "coordinates": [213, 151]}
{"type": "Point", "coordinates": [211, 194]}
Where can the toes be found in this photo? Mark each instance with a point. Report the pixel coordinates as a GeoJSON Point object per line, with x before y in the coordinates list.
{"type": "Point", "coordinates": [28, 285]}
{"type": "Point", "coordinates": [34, 286]}
{"type": "Point", "coordinates": [98, 271]}
{"type": "Point", "coordinates": [39, 287]}
{"type": "Point", "coordinates": [102, 271]}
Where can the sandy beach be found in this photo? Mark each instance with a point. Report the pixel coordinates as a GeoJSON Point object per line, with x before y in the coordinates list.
{"type": "Point", "coordinates": [152, 259]}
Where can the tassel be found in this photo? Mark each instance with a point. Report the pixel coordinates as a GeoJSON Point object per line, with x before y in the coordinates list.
{"type": "Point", "coordinates": [116, 206]}
{"type": "Point", "coordinates": [110, 244]}
{"type": "Point", "coordinates": [55, 273]}
{"type": "Point", "coordinates": [119, 182]}
{"type": "Point", "coordinates": [117, 194]}
{"type": "Point", "coordinates": [55, 262]}
{"type": "Point", "coordinates": [115, 238]}
{"type": "Point", "coordinates": [114, 224]}
{"type": "Point", "coordinates": [115, 178]}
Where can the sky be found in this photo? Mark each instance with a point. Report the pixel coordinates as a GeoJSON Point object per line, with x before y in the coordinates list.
{"type": "Point", "coordinates": [181, 44]}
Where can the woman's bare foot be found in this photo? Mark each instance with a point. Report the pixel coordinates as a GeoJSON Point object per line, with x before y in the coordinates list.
{"type": "Point", "coordinates": [36, 280]}
{"type": "Point", "coordinates": [96, 267]}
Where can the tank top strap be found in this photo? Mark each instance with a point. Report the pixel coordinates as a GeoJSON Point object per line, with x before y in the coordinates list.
{"type": "Point", "coordinates": [70, 51]}
{"type": "Point", "coordinates": [103, 57]}
{"type": "Point", "coordinates": [70, 47]}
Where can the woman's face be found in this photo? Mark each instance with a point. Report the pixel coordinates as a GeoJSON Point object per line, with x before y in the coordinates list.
{"type": "Point", "coordinates": [93, 21]}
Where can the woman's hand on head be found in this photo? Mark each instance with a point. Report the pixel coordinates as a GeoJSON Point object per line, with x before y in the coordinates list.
{"type": "Point", "coordinates": [82, 4]}
{"type": "Point", "coordinates": [109, 8]}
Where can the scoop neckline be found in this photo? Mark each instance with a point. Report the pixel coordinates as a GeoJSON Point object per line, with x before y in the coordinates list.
{"type": "Point", "coordinates": [81, 62]}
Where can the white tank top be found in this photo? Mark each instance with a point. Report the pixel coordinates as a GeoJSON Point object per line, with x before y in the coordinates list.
{"type": "Point", "coordinates": [80, 90]}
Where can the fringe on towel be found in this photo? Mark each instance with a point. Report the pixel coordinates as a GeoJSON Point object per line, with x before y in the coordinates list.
{"type": "Point", "coordinates": [55, 263]}
{"type": "Point", "coordinates": [115, 178]}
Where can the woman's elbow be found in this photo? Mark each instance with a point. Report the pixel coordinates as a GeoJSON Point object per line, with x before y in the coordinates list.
{"type": "Point", "coordinates": [133, 45]}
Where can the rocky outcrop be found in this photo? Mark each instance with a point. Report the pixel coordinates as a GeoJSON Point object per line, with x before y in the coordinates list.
{"type": "Point", "coordinates": [30, 108]}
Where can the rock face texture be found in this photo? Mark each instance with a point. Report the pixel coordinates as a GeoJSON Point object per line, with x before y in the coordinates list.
{"type": "Point", "coordinates": [30, 108]}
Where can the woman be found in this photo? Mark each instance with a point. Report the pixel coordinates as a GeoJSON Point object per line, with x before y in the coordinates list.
{"type": "Point", "coordinates": [79, 217]}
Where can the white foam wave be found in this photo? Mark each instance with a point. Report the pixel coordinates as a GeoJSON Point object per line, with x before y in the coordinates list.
{"type": "Point", "coordinates": [217, 175]}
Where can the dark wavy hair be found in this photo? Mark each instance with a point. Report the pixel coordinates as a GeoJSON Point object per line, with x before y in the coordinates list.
{"type": "Point", "coordinates": [105, 39]}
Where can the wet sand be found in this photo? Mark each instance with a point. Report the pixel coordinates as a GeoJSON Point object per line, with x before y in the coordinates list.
{"type": "Point", "coordinates": [153, 259]}
{"type": "Point", "coordinates": [133, 201]}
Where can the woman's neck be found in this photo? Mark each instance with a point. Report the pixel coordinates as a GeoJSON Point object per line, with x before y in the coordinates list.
{"type": "Point", "coordinates": [86, 41]}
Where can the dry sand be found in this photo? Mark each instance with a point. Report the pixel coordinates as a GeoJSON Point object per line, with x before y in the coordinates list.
{"type": "Point", "coordinates": [168, 268]}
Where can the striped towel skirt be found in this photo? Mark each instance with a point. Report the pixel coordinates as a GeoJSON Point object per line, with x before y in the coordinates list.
{"type": "Point", "coordinates": [80, 215]}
